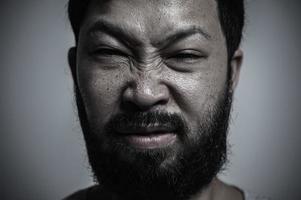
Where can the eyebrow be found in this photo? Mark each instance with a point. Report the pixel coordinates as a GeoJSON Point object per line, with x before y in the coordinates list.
{"type": "Point", "coordinates": [181, 34]}
{"type": "Point", "coordinates": [129, 39]}
{"type": "Point", "coordinates": [116, 31]}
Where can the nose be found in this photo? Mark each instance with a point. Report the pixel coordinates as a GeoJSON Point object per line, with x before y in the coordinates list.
{"type": "Point", "coordinates": [145, 94]}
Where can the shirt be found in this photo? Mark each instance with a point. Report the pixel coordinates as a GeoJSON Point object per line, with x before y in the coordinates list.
{"type": "Point", "coordinates": [83, 195]}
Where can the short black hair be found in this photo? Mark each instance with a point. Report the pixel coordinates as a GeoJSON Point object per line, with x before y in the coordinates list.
{"type": "Point", "coordinates": [231, 16]}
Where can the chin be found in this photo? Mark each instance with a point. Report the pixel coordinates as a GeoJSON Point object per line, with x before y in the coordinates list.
{"type": "Point", "coordinates": [174, 171]}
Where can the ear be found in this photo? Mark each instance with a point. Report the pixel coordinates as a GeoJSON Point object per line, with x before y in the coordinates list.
{"type": "Point", "coordinates": [72, 62]}
{"type": "Point", "coordinates": [235, 65]}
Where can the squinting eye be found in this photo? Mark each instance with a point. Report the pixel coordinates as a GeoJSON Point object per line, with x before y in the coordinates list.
{"type": "Point", "coordinates": [106, 52]}
{"type": "Point", "coordinates": [189, 57]}
{"type": "Point", "coordinates": [186, 56]}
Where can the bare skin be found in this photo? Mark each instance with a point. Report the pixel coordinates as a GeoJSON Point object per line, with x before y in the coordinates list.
{"type": "Point", "coordinates": [217, 190]}
{"type": "Point", "coordinates": [166, 55]}
{"type": "Point", "coordinates": [221, 191]}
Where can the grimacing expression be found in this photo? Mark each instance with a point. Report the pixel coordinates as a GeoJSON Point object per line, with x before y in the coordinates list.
{"type": "Point", "coordinates": [145, 63]}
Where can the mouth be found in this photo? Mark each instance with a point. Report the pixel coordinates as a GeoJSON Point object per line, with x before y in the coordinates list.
{"type": "Point", "coordinates": [148, 137]}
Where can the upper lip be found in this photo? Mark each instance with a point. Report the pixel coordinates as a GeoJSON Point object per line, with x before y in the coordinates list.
{"type": "Point", "coordinates": [145, 130]}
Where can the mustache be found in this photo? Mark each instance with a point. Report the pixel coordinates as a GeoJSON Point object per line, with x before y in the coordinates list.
{"type": "Point", "coordinates": [123, 121]}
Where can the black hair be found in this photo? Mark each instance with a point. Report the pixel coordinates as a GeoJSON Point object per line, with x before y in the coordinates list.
{"type": "Point", "coordinates": [231, 16]}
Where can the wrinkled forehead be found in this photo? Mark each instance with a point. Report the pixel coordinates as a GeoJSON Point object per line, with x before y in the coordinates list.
{"type": "Point", "coordinates": [152, 18]}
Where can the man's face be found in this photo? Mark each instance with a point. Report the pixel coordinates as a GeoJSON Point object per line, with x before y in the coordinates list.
{"type": "Point", "coordinates": [153, 94]}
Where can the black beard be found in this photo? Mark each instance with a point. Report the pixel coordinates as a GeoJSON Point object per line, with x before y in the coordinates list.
{"type": "Point", "coordinates": [175, 172]}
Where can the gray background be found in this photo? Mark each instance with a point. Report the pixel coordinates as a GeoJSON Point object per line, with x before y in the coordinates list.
{"type": "Point", "coordinates": [42, 152]}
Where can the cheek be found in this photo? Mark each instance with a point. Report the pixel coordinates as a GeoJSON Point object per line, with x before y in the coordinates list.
{"type": "Point", "coordinates": [195, 93]}
{"type": "Point", "coordinates": [100, 90]}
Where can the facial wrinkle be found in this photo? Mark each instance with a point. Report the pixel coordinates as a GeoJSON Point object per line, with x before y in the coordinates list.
{"type": "Point", "coordinates": [147, 60]}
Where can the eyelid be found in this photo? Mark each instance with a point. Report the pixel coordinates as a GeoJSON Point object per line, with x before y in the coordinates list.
{"type": "Point", "coordinates": [193, 52]}
{"type": "Point", "coordinates": [111, 49]}
{"type": "Point", "coordinates": [183, 60]}
{"type": "Point", "coordinates": [105, 47]}
{"type": "Point", "coordinates": [189, 51]}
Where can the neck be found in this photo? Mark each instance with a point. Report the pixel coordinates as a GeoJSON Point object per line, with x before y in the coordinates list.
{"type": "Point", "coordinates": [216, 190]}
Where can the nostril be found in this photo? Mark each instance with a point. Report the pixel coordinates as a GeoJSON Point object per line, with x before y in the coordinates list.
{"type": "Point", "coordinates": [144, 98]}
{"type": "Point", "coordinates": [128, 107]}
{"type": "Point", "coordinates": [163, 101]}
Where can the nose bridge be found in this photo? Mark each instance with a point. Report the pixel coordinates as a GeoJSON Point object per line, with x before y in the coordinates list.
{"type": "Point", "coordinates": [148, 65]}
{"type": "Point", "coordinates": [147, 60]}
{"type": "Point", "coordinates": [147, 83]}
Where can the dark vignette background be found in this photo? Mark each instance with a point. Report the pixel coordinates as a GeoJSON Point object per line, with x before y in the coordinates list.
{"type": "Point", "coordinates": [41, 147]}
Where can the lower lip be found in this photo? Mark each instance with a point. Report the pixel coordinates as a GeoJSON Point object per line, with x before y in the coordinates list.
{"type": "Point", "coordinates": [151, 141]}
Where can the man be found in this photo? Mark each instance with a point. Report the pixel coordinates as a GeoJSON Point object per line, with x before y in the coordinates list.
{"type": "Point", "coordinates": [154, 81]}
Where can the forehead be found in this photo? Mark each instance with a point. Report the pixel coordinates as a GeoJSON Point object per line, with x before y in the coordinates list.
{"type": "Point", "coordinates": [149, 19]}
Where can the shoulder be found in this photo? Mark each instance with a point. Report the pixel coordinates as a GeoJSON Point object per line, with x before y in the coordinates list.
{"type": "Point", "coordinates": [79, 195]}
{"type": "Point", "coordinates": [82, 194]}
{"type": "Point", "coordinates": [252, 196]}
{"type": "Point", "coordinates": [230, 191]}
